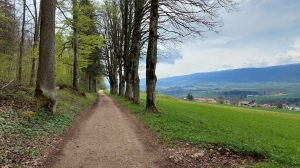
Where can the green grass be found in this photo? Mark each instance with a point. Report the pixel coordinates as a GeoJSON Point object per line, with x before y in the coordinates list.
{"type": "Point", "coordinates": [272, 134]}
{"type": "Point", "coordinates": [24, 137]}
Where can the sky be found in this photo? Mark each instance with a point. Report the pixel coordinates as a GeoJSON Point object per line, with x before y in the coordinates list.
{"type": "Point", "coordinates": [264, 33]}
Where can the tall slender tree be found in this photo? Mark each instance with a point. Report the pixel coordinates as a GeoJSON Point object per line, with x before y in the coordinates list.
{"type": "Point", "coordinates": [136, 47]}
{"type": "Point", "coordinates": [21, 46]}
{"type": "Point", "coordinates": [113, 51]}
{"type": "Point", "coordinates": [127, 22]}
{"type": "Point", "coordinates": [75, 44]}
{"type": "Point", "coordinates": [151, 58]}
{"type": "Point", "coordinates": [180, 19]}
{"type": "Point", "coordinates": [37, 21]}
{"type": "Point", "coordinates": [95, 68]}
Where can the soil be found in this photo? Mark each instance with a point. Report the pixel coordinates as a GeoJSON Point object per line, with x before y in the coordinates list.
{"type": "Point", "coordinates": [107, 135]}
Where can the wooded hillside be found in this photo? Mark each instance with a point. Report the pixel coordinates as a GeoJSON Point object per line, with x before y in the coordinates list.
{"type": "Point", "coordinates": [283, 73]}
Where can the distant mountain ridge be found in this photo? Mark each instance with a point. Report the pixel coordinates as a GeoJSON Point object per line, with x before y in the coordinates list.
{"type": "Point", "coordinates": [282, 73]}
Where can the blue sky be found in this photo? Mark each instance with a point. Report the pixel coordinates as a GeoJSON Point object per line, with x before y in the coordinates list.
{"type": "Point", "coordinates": [264, 33]}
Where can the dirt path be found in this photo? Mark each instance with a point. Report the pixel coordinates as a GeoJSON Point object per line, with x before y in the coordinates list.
{"type": "Point", "coordinates": [108, 137]}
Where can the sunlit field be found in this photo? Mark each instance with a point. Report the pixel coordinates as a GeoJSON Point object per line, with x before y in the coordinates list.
{"type": "Point", "coordinates": [272, 134]}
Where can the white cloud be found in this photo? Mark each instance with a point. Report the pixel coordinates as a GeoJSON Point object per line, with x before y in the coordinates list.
{"type": "Point", "coordinates": [295, 53]}
{"type": "Point", "coordinates": [261, 35]}
{"type": "Point", "coordinates": [208, 60]}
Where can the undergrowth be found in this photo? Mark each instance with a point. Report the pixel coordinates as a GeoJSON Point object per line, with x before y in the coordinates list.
{"type": "Point", "coordinates": [26, 131]}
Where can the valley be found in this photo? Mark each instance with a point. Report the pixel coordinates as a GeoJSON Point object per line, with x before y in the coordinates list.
{"type": "Point", "coordinates": [268, 85]}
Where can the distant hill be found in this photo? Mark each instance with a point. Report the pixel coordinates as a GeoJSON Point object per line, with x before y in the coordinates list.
{"type": "Point", "coordinates": [283, 73]}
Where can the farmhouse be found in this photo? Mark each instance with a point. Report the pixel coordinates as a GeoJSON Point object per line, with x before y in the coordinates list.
{"type": "Point", "coordinates": [254, 105]}
{"type": "Point", "coordinates": [211, 100]}
{"type": "Point", "coordinates": [200, 99]}
{"type": "Point", "coordinates": [285, 106]}
{"type": "Point", "coordinates": [205, 100]}
{"type": "Point", "coordinates": [265, 105]}
{"type": "Point", "coordinates": [245, 103]}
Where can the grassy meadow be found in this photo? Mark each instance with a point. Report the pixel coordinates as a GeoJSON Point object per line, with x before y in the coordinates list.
{"type": "Point", "coordinates": [272, 134]}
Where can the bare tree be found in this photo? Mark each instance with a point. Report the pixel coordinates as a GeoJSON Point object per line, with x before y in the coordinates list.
{"type": "Point", "coordinates": [112, 28]}
{"type": "Point", "coordinates": [45, 85]}
{"type": "Point", "coordinates": [182, 20]}
{"type": "Point", "coordinates": [22, 43]}
{"type": "Point", "coordinates": [179, 20]}
{"type": "Point", "coordinates": [127, 25]}
{"type": "Point", "coordinates": [151, 58]}
{"type": "Point", "coordinates": [139, 9]}
{"type": "Point", "coordinates": [37, 21]}
{"type": "Point", "coordinates": [165, 22]}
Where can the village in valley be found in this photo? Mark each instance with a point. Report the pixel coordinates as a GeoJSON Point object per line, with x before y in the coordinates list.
{"type": "Point", "coordinates": [235, 101]}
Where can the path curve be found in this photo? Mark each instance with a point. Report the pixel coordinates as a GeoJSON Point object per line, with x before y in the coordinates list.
{"type": "Point", "coordinates": [110, 137]}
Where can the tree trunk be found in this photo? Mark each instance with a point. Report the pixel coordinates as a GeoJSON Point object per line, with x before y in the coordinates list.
{"type": "Point", "coordinates": [91, 83]}
{"type": "Point", "coordinates": [113, 84]}
{"type": "Point", "coordinates": [112, 69]}
{"type": "Point", "coordinates": [151, 58]}
{"type": "Point", "coordinates": [94, 85]}
{"type": "Point", "coordinates": [128, 92]}
{"type": "Point", "coordinates": [75, 45]}
{"type": "Point", "coordinates": [115, 79]}
{"type": "Point", "coordinates": [22, 43]}
{"type": "Point", "coordinates": [136, 49]}
{"type": "Point", "coordinates": [120, 42]}
{"type": "Point", "coordinates": [45, 85]}
{"type": "Point", "coordinates": [37, 21]}
{"type": "Point", "coordinates": [136, 89]}
{"type": "Point", "coordinates": [121, 79]}
{"type": "Point", "coordinates": [127, 58]}
{"type": "Point", "coordinates": [87, 82]}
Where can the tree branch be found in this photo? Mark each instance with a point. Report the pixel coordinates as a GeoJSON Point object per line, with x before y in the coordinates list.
{"type": "Point", "coordinates": [7, 84]}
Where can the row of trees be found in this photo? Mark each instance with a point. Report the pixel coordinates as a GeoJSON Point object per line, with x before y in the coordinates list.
{"type": "Point", "coordinates": [138, 28]}
{"type": "Point", "coordinates": [241, 94]}
{"type": "Point", "coordinates": [190, 97]}
{"type": "Point", "coordinates": [294, 101]}
{"type": "Point", "coordinates": [86, 42]}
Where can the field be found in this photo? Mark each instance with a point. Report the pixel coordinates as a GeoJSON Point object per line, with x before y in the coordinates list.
{"type": "Point", "coordinates": [211, 90]}
{"type": "Point", "coordinates": [271, 134]}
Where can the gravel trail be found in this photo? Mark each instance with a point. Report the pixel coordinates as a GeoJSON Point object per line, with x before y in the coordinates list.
{"type": "Point", "coordinates": [110, 136]}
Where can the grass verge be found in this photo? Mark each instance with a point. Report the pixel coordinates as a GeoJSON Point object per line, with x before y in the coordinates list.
{"type": "Point", "coordinates": [25, 132]}
{"type": "Point", "coordinates": [273, 135]}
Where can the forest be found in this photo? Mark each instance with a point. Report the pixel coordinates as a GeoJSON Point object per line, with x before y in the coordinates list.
{"type": "Point", "coordinates": [238, 93]}
{"type": "Point", "coordinates": [77, 43]}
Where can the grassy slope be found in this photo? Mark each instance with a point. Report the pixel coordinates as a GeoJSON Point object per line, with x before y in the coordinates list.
{"type": "Point", "coordinates": [24, 137]}
{"type": "Point", "coordinates": [270, 133]}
